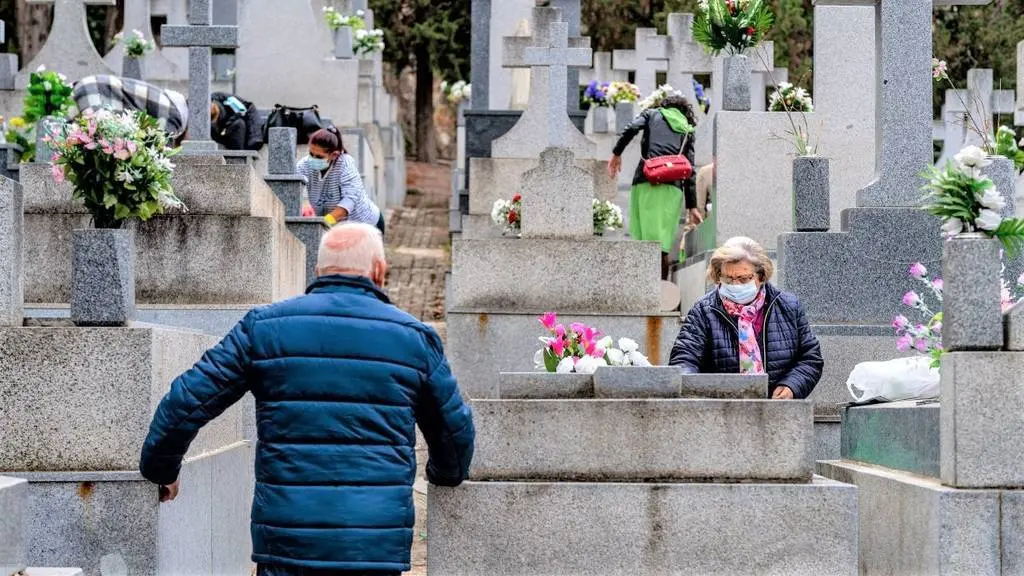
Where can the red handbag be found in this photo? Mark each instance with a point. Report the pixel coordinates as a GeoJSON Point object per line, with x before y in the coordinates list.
{"type": "Point", "coordinates": [668, 169]}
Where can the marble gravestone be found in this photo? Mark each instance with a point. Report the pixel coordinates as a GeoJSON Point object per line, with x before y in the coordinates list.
{"type": "Point", "coordinates": [155, 65]}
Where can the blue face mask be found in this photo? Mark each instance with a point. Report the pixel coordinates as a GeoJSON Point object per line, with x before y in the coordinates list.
{"type": "Point", "coordinates": [318, 163]}
{"type": "Point", "coordinates": [739, 293]}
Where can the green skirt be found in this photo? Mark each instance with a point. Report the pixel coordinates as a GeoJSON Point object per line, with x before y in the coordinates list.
{"type": "Point", "coordinates": [654, 212]}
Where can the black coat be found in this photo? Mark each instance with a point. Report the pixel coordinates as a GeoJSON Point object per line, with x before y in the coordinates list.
{"type": "Point", "coordinates": [236, 131]}
{"type": "Point", "coordinates": [709, 342]}
{"type": "Point", "coordinates": [659, 140]}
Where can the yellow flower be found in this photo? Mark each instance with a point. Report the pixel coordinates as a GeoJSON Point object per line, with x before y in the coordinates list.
{"type": "Point", "coordinates": [18, 122]}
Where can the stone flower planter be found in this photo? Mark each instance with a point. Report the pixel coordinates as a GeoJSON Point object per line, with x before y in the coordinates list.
{"type": "Point", "coordinates": [736, 85]}
{"type": "Point", "coordinates": [132, 68]}
{"type": "Point", "coordinates": [102, 277]}
{"type": "Point", "coordinates": [624, 114]}
{"type": "Point", "coordinates": [972, 317]}
{"type": "Point", "coordinates": [344, 47]}
{"type": "Point", "coordinates": [811, 194]}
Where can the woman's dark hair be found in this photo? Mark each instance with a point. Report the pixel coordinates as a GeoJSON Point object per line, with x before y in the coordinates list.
{"type": "Point", "coordinates": [329, 139]}
{"type": "Point", "coordinates": [683, 105]}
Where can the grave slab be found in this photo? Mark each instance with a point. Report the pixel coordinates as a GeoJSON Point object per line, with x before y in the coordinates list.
{"type": "Point", "coordinates": [13, 530]}
{"type": "Point", "coordinates": [643, 440]}
{"type": "Point", "coordinates": [898, 435]}
{"type": "Point", "coordinates": [914, 525]}
{"type": "Point", "coordinates": [508, 528]}
{"type": "Point", "coordinates": [96, 416]}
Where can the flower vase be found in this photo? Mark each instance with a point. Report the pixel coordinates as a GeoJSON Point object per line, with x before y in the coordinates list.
{"type": "Point", "coordinates": [972, 318]}
{"type": "Point", "coordinates": [736, 86]}
{"type": "Point", "coordinates": [623, 115]}
{"type": "Point", "coordinates": [344, 47]}
{"type": "Point", "coordinates": [102, 277]}
{"type": "Point", "coordinates": [811, 194]}
{"type": "Point", "coordinates": [131, 67]}
{"type": "Point", "coordinates": [47, 126]}
{"type": "Point", "coordinates": [1003, 174]}
{"type": "Point", "coordinates": [600, 119]}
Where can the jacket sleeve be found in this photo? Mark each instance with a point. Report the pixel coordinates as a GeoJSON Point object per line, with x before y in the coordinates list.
{"type": "Point", "coordinates": [445, 420]}
{"type": "Point", "coordinates": [231, 133]}
{"type": "Point", "coordinates": [688, 351]}
{"type": "Point", "coordinates": [689, 189]}
{"type": "Point", "coordinates": [199, 395]}
{"type": "Point", "coordinates": [630, 132]}
{"type": "Point", "coordinates": [806, 373]}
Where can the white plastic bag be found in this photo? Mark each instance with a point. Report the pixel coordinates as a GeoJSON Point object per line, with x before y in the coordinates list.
{"type": "Point", "coordinates": [894, 380]}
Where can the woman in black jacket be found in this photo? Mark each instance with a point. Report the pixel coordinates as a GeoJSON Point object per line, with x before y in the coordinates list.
{"type": "Point", "coordinates": [655, 209]}
{"type": "Point", "coordinates": [747, 326]}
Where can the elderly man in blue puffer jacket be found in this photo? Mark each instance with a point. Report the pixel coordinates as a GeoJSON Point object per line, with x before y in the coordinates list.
{"type": "Point", "coordinates": [341, 378]}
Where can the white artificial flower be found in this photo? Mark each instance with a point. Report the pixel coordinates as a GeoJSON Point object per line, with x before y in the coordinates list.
{"type": "Point", "coordinates": [952, 227]}
{"type": "Point", "coordinates": [566, 366]}
{"type": "Point", "coordinates": [988, 220]}
{"type": "Point", "coordinates": [138, 33]}
{"type": "Point", "coordinates": [497, 212]}
{"type": "Point", "coordinates": [589, 364]}
{"type": "Point", "coordinates": [993, 200]}
{"type": "Point", "coordinates": [47, 86]}
{"type": "Point", "coordinates": [605, 343]}
{"type": "Point", "coordinates": [638, 359]}
{"type": "Point", "coordinates": [360, 13]}
{"type": "Point", "coordinates": [627, 345]}
{"type": "Point", "coordinates": [616, 357]}
{"type": "Point", "coordinates": [467, 92]}
{"type": "Point", "coordinates": [360, 34]}
{"type": "Point", "coordinates": [972, 157]}
{"type": "Point", "coordinates": [42, 68]}
{"type": "Point", "coordinates": [538, 360]}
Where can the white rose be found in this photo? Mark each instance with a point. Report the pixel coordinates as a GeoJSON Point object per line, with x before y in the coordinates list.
{"type": "Point", "coordinates": [638, 359]}
{"type": "Point", "coordinates": [616, 357]}
{"type": "Point", "coordinates": [360, 34]}
{"type": "Point", "coordinates": [589, 364]}
{"type": "Point", "coordinates": [952, 227]}
{"type": "Point", "coordinates": [988, 220]}
{"type": "Point", "coordinates": [566, 366]}
{"type": "Point", "coordinates": [993, 200]}
{"type": "Point", "coordinates": [972, 157]}
{"type": "Point", "coordinates": [627, 345]}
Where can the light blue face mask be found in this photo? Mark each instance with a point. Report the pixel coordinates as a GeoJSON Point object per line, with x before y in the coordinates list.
{"type": "Point", "coordinates": [739, 293]}
{"type": "Point", "coordinates": [318, 163]}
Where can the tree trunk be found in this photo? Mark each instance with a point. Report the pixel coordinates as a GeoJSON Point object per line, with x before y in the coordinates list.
{"type": "Point", "coordinates": [114, 23]}
{"type": "Point", "coordinates": [426, 146]}
{"type": "Point", "coordinates": [33, 25]}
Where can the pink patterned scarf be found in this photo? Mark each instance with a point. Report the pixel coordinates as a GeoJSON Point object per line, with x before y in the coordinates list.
{"type": "Point", "coordinates": [750, 355]}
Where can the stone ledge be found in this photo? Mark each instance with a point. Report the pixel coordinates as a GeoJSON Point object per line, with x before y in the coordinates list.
{"type": "Point", "coordinates": [570, 277]}
{"type": "Point", "coordinates": [899, 435]}
{"type": "Point", "coordinates": [96, 416]}
{"type": "Point", "coordinates": [512, 529]}
{"type": "Point", "coordinates": [644, 440]}
{"type": "Point", "coordinates": [13, 529]}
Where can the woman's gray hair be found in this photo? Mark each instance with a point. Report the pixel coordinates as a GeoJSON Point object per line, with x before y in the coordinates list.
{"type": "Point", "coordinates": [740, 249]}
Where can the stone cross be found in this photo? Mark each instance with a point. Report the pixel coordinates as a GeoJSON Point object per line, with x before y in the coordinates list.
{"type": "Point", "coordinates": [602, 71]}
{"type": "Point", "coordinates": [137, 16]}
{"type": "Point", "coordinates": [522, 141]}
{"type": "Point", "coordinates": [650, 56]}
{"type": "Point", "coordinates": [953, 129]}
{"type": "Point", "coordinates": [557, 57]}
{"type": "Point", "coordinates": [68, 48]}
{"type": "Point", "coordinates": [904, 110]}
{"type": "Point", "coordinates": [680, 33]}
{"type": "Point", "coordinates": [200, 36]}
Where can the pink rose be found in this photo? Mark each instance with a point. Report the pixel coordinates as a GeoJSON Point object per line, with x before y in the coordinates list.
{"type": "Point", "coordinates": [57, 172]}
{"type": "Point", "coordinates": [911, 299]}
{"type": "Point", "coordinates": [900, 322]}
{"type": "Point", "coordinates": [917, 270]}
{"type": "Point", "coordinates": [903, 343]}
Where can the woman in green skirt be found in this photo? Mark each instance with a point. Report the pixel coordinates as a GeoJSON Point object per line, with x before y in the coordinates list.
{"type": "Point", "coordinates": [655, 209]}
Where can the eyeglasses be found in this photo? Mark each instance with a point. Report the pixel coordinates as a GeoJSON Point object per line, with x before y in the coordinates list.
{"type": "Point", "coordinates": [738, 279]}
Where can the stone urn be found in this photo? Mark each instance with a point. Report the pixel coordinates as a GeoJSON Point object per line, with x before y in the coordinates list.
{"type": "Point", "coordinates": [811, 194]}
{"type": "Point", "coordinates": [736, 84]}
{"type": "Point", "coordinates": [131, 67]}
{"type": "Point", "coordinates": [102, 276]}
{"type": "Point", "coordinates": [344, 46]}
{"type": "Point", "coordinates": [972, 317]}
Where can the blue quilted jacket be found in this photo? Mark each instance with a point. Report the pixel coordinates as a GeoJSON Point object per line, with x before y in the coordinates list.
{"type": "Point", "coordinates": [709, 342]}
{"type": "Point", "coordinates": [341, 378]}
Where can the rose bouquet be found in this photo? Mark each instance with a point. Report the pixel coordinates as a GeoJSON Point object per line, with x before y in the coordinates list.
{"type": "Point", "coordinates": [617, 92]}
{"type": "Point", "coordinates": [731, 25]}
{"type": "Point", "coordinates": [966, 201]}
{"type": "Point", "coordinates": [582, 349]}
{"type": "Point", "coordinates": [135, 45]}
{"type": "Point", "coordinates": [789, 98]}
{"type": "Point", "coordinates": [118, 164]}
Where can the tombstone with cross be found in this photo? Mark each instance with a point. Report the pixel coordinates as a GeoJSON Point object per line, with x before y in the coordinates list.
{"type": "Point", "coordinates": [602, 71]}
{"type": "Point", "coordinates": [200, 36]}
{"type": "Point", "coordinates": [155, 65]}
{"type": "Point", "coordinates": [953, 129]}
{"type": "Point", "coordinates": [650, 56]}
{"type": "Point", "coordinates": [68, 48]}
{"type": "Point", "coordinates": [549, 58]}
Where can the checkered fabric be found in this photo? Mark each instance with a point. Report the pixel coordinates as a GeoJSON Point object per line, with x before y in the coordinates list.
{"type": "Point", "coordinates": [114, 93]}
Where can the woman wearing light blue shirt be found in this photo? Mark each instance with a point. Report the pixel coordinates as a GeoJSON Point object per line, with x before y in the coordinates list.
{"type": "Point", "coordinates": [334, 186]}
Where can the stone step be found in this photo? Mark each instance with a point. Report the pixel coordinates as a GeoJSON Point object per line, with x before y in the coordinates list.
{"type": "Point", "coordinates": [96, 416]}
{"type": "Point", "coordinates": [520, 529]}
{"type": "Point", "coordinates": [567, 276]}
{"type": "Point", "coordinates": [115, 519]}
{"type": "Point", "coordinates": [910, 524]}
{"type": "Point", "coordinates": [13, 533]}
{"type": "Point", "coordinates": [900, 435]}
{"type": "Point", "coordinates": [482, 344]}
{"type": "Point", "coordinates": [192, 259]}
{"type": "Point", "coordinates": [644, 440]}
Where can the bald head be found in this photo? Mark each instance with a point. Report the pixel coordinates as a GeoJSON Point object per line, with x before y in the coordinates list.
{"type": "Point", "coordinates": [354, 249]}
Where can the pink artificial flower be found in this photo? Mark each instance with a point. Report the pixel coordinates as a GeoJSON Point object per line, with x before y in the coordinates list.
{"type": "Point", "coordinates": [557, 346]}
{"type": "Point", "coordinates": [938, 284]}
{"type": "Point", "coordinates": [920, 328]}
{"type": "Point", "coordinates": [599, 353]}
{"type": "Point", "coordinates": [900, 322]}
{"type": "Point", "coordinates": [57, 172]}
{"type": "Point", "coordinates": [589, 347]}
{"type": "Point", "coordinates": [937, 327]}
{"type": "Point", "coordinates": [108, 148]}
{"type": "Point", "coordinates": [92, 128]}
{"type": "Point", "coordinates": [560, 331]}
{"type": "Point", "coordinates": [549, 320]}
{"type": "Point", "coordinates": [577, 327]}
{"type": "Point", "coordinates": [921, 345]}
{"type": "Point", "coordinates": [132, 147]}
{"type": "Point", "coordinates": [917, 270]}
{"type": "Point", "coordinates": [904, 343]}
{"type": "Point", "coordinates": [911, 299]}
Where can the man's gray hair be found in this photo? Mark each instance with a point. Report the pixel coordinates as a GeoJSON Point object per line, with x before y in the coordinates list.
{"type": "Point", "coordinates": [741, 249]}
{"type": "Point", "coordinates": [352, 247]}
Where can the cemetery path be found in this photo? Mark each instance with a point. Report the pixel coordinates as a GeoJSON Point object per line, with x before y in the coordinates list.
{"type": "Point", "coordinates": [418, 253]}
